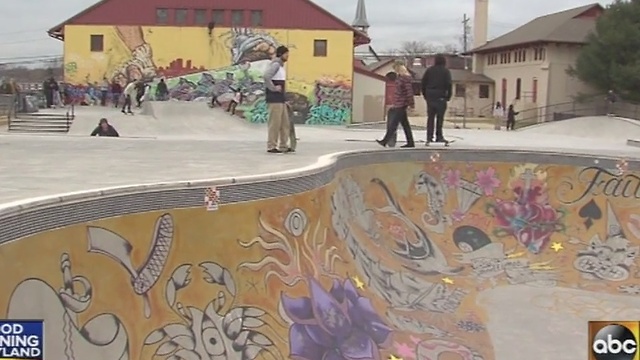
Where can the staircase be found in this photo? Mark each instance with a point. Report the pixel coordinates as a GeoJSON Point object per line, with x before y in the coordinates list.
{"type": "Point", "coordinates": [41, 123]}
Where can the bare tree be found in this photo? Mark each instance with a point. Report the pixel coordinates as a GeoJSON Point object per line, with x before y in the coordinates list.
{"type": "Point", "coordinates": [416, 48]}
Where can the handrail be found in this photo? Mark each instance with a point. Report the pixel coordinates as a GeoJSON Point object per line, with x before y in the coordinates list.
{"type": "Point", "coordinates": [593, 106]}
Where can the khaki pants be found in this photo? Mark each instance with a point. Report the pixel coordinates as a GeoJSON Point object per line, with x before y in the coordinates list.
{"type": "Point", "coordinates": [278, 125]}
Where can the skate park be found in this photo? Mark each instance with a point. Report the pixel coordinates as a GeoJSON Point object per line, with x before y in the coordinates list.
{"type": "Point", "coordinates": [131, 251]}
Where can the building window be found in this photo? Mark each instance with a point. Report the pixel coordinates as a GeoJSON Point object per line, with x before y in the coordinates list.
{"type": "Point", "coordinates": [237, 17]}
{"type": "Point", "coordinates": [483, 91]}
{"type": "Point", "coordinates": [200, 16]}
{"type": "Point", "coordinates": [539, 54]}
{"type": "Point", "coordinates": [520, 56]}
{"type": "Point", "coordinates": [492, 59]}
{"type": "Point", "coordinates": [217, 16]}
{"type": "Point", "coordinates": [162, 16]}
{"type": "Point", "coordinates": [256, 18]}
{"type": "Point", "coordinates": [181, 16]}
{"type": "Point", "coordinates": [534, 90]}
{"type": "Point", "coordinates": [518, 88]}
{"type": "Point", "coordinates": [319, 48]}
{"type": "Point", "coordinates": [460, 90]}
{"type": "Point", "coordinates": [97, 43]}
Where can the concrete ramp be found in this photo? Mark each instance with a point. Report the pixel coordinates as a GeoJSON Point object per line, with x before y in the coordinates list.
{"type": "Point", "coordinates": [599, 127]}
{"type": "Point", "coordinates": [167, 119]}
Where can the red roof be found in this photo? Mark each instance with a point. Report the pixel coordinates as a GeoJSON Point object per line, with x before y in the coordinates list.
{"type": "Point", "coordinates": [308, 15]}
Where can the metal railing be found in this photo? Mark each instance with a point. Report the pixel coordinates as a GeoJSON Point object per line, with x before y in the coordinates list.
{"type": "Point", "coordinates": [594, 106]}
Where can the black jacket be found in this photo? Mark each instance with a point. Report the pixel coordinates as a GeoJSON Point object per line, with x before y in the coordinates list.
{"type": "Point", "coordinates": [437, 84]}
{"type": "Point", "coordinates": [511, 114]}
{"type": "Point", "coordinates": [111, 131]}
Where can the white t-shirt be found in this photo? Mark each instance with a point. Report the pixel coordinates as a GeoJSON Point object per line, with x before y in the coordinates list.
{"type": "Point", "coordinates": [498, 112]}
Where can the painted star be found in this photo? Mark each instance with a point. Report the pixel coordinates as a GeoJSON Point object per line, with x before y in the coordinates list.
{"type": "Point", "coordinates": [358, 283]}
{"type": "Point", "coordinates": [556, 246]}
{"type": "Point", "coordinates": [447, 280]}
{"type": "Point", "coordinates": [393, 357]}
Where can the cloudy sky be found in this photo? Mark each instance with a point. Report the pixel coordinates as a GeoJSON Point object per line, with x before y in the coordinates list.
{"type": "Point", "coordinates": [23, 25]}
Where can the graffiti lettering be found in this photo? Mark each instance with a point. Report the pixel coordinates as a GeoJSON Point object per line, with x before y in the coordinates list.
{"type": "Point", "coordinates": [600, 181]}
{"type": "Point", "coordinates": [71, 68]}
{"type": "Point", "coordinates": [332, 105]}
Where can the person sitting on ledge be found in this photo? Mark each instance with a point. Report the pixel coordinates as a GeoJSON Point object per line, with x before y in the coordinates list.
{"type": "Point", "coordinates": [105, 129]}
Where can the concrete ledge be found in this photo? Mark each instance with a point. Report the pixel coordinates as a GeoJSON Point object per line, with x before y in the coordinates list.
{"type": "Point", "coordinates": [633, 142]}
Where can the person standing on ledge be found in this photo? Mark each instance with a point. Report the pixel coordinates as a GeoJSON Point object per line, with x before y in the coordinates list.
{"type": "Point", "coordinates": [275, 78]}
{"type": "Point", "coordinates": [437, 89]}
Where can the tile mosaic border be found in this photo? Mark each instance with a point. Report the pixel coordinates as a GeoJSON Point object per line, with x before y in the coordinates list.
{"type": "Point", "coordinates": [32, 217]}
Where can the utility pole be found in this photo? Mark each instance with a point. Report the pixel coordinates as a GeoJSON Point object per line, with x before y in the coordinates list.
{"type": "Point", "coordinates": [465, 48]}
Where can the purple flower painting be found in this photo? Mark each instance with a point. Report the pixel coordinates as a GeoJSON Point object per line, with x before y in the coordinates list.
{"type": "Point", "coordinates": [338, 324]}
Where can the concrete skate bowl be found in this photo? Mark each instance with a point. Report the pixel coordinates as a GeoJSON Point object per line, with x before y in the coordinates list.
{"type": "Point", "coordinates": [165, 119]}
{"type": "Point", "coordinates": [593, 127]}
{"type": "Point", "coordinates": [373, 255]}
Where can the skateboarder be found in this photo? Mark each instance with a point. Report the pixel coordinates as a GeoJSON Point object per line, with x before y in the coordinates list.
{"type": "Point", "coordinates": [129, 92]}
{"type": "Point", "coordinates": [275, 78]}
{"type": "Point", "coordinates": [437, 89]}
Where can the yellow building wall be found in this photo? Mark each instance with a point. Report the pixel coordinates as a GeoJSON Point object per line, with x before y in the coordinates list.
{"type": "Point", "coordinates": [197, 65]}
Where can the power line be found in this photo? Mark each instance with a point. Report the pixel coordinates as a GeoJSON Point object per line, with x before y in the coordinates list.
{"type": "Point", "coordinates": [25, 41]}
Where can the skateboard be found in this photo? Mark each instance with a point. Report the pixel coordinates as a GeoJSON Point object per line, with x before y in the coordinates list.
{"type": "Point", "coordinates": [446, 143]}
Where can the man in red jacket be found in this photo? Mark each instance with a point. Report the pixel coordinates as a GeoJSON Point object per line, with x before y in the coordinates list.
{"type": "Point", "coordinates": [402, 100]}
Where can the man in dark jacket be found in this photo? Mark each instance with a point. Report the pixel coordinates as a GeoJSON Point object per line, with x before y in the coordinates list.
{"type": "Point", "coordinates": [105, 129]}
{"type": "Point", "coordinates": [437, 89]}
{"type": "Point", "coordinates": [275, 78]}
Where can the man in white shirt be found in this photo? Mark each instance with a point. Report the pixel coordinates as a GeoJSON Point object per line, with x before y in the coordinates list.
{"type": "Point", "coordinates": [275, 78]}
{"type": "Point", "coordinates": [129, 93]}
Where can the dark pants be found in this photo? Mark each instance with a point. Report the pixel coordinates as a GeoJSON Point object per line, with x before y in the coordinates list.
{"type": "Point", "coordinates": [511, 123]}
{"type": "Point", "coordinates": [103, 99]}
{"type": "Point", "coordinates": [48, 96]}
{"type": "Point", "coordinates": [435, 116]}
{"type": "Point", "coordinates": [116, 99]}
{"type": "Point", "coordinates": [398, 116]}
{"type": "Point", "coordinates": [232, 107]}
{"type": "Point", "coordinates": [127, 104]}
{"type": "Point", "coordinates": [215, 101]}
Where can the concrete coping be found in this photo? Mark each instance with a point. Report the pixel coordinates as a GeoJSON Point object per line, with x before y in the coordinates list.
{"type": "Point", "coordinates": [323, 163]}
{"type": "Point", "coordinates": [633, 142]}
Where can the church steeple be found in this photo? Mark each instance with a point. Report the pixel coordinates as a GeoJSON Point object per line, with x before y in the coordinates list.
{"type": "Point", "coordinates": [360, 22]}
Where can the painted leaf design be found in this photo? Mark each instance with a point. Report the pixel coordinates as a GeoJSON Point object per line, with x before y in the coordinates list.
{"type": "Point", "coordinates": [154, 337]}
{"type": "Point", "coordinates": [179, 279]}
{"type": "Point", "coordinates": [251, 352]}
{"type": "Point", "coordinates": [251, 337]}
{"type": "Point", "coordinates": [185, 342]}
{"type": "Point", "coordinates": [183, 354]}
{"type": "Point", "coordinates": [218, 302]}
{"type": "Point", "coordinates": [252, 323]}
{"type": "Point", "coordinates": [175, 330]}
{"type": "Point", "coordinates": [166, 348]}
{"type": "Point", "coordinates": [216, 274]}
{"type": "Point", "coordinates": [253, 311]}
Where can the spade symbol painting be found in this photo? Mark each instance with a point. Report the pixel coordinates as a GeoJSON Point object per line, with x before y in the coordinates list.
{"type": "Point", "coordinates": [589, 213]}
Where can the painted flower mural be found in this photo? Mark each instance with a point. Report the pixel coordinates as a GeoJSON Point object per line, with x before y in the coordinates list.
{"type": "Point", "coordinates": [338, 324]}
{"type": "Point", "coordinates": [528, 216]}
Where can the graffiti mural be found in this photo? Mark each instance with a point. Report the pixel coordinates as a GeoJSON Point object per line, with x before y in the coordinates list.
{"type": "Point", "coordinates": [227, 65]}
{"type": "Point", "coordinates": [401, 263]}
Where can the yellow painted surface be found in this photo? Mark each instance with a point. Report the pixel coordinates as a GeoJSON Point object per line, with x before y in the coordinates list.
{"type": "Point", "coordinates": [320, 87]}
{"type": "Point", "coordinates": [420, 263]}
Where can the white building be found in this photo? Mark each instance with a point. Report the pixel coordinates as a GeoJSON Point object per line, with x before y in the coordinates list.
{"type": "Point", "coordinates": [529, 64]}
